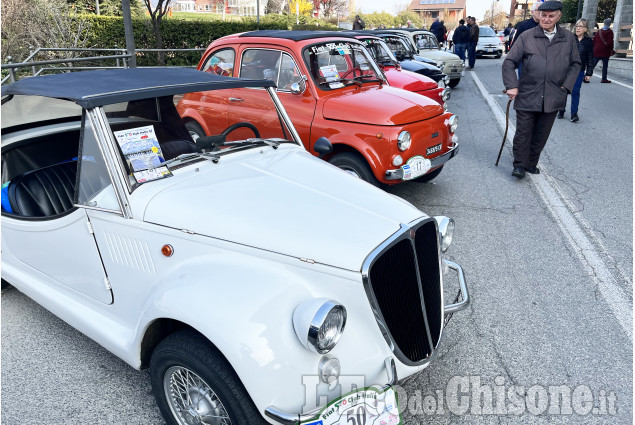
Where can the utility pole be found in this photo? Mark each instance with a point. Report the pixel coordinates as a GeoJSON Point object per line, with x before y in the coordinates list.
{"type": "Point", "coordinates": [127, 25]}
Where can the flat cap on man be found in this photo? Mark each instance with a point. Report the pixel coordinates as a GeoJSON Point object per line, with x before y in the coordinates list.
{"type": "Point", "coordinates": [551, 5]}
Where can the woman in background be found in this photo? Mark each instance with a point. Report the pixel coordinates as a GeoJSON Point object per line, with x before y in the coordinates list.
{"type": "Point", "coordinates": [585, 48]}
{"type": "Point", "coordinates": [603, 48]}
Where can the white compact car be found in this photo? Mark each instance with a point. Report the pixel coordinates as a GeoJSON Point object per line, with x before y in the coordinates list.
{"type": "Point", "coordinates": [428, 47]}
{"type": "Point", "coordinates": [230, 269]}
{"type": "Point", "coordinates": [489, 43]}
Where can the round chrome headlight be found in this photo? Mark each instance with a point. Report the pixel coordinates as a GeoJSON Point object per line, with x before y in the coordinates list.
{"type": "Point", "coordinates": [404, 141]}
{"type": "Point", "coordinates": [319, 324]}
{"type": "Point", "coordinates": [453, 123]}
{"type": "Point", "coordinates": [446, 231]}
{"type": "Point", "coordinates": [440, 64]}
{"type": "Point", "coordinates": [445, 94]}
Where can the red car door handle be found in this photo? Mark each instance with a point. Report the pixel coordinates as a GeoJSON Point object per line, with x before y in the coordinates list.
{"type": "Point", "coordinates": [235, 99]}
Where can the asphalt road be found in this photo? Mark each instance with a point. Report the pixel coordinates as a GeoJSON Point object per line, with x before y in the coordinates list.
{"type": "Point", "coordinates": [548, 261]}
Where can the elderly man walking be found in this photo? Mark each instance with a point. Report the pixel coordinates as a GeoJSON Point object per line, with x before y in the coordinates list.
{"type": "Point", "coordinates": [551, 63]}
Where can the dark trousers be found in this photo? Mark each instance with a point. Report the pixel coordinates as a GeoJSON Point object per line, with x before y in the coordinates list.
{"type": "Point", "coordinates": [575, 94]}
{"type": "Point", "coordinates": [532, 132]}
{"type": "Point", "coordinates": [459, 50]}
{"type": "Point", "coordinates": [605, 65]}
{"type": "Point", "coordinates": [471, 53]}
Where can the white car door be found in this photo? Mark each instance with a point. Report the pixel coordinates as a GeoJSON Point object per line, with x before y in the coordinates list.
{"type": "Point", "coordinates": [56, 250]}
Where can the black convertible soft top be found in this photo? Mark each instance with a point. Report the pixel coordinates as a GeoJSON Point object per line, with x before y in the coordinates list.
{"type": "Point", "coordinates": [295, 35]}
{"type": "Point", "coordinates": [96, 88]}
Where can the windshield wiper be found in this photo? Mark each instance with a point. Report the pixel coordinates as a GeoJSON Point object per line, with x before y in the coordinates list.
{"type": "Point", "coordinates": [351, 80]}
{"type": "Point", "coordinates": [371, 79]}
{"type": "Point", "coordinates": [274, 144]}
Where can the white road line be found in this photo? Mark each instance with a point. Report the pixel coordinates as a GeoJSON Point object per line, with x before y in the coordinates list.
{"type": "Point", "coordinates": [614, 82]}
{"type": "Point", "coordinates": [577, 231]}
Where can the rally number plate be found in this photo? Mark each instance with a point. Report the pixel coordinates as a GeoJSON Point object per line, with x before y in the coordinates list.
{"type": "Point", "coordinates": [362, 407]}
{"type": "Point", "coordinates": [416, 166]}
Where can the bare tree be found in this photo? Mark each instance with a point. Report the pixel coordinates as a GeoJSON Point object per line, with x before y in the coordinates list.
{"type": "Point", "coordinates": [400, 7]}
{"type": "Point", "coordinates": [156, 15]}
{"type": "Point", "coordinates": [330, 6]}
{"type": "Point", "coordinates": [40, 23]}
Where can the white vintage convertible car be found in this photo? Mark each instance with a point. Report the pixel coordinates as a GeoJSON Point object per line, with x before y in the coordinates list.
{"type": "Point", "coordinates": [230, 269]}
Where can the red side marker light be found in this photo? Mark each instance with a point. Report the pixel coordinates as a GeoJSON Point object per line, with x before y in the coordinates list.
{"type": "Point", "coordinates": [167, 250]}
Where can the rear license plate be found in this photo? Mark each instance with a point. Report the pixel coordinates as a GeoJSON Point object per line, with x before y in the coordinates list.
{"type": "Point", "coordinates": [366, 406]}
{"type": "Point", "coordinates": [433, 149]}
{"type": "Point", "coordinates": [416, 166]}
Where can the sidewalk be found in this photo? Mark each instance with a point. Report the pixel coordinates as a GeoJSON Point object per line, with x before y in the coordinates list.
{"type": "Point", "coordinates": [620, 69]}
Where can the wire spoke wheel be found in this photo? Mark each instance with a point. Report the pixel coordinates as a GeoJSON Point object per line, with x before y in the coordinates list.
{"type": "Point", "coordinates": [191, 399]}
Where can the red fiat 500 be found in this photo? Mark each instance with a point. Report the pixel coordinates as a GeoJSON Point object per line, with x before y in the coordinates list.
{"type": "Point", "coordinates": [400, 78]}
{"type": "Point", "coordinates": [331, 87]}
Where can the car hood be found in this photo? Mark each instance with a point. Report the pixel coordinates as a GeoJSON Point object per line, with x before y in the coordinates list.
{"type": "Point", "coordinates": [284, 201]}
{"type": "Point", "coordinates": [438, 55]}
{"type": "Point", "coordinates": [380, 106]}
{"type": "Point", "coordinates": [493, 40]}
{"type": "Point", "coordinates": [408, 80]}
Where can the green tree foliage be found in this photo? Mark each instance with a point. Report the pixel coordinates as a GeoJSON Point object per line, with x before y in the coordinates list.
{"type": "Point", "coordinates": [378, 18]}
{"type": "Point", "coordinates": [606, 9]}
{"type": "Point", "coordinates": [569, 11]}
{"type": "Point", "coordinates": [108, 31]}
{"type": "Point", "coordinates": [404, 16]}
{"type": "Point", "coordinates": [106, 7]}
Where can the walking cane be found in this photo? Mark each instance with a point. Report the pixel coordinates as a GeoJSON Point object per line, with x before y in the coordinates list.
{"type": "Point", "coordinates": [506, 128]}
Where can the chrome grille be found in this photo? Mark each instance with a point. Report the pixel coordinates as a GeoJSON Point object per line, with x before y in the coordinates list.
{"type": "Point", "coordinates": [402, 279]}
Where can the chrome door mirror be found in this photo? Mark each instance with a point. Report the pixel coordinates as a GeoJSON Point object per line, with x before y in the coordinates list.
{"type": "Point", "coordinates": [298, 88]}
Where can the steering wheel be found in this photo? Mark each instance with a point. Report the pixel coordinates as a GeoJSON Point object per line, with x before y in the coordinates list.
{"type": "Point", "coordinates": [241, 125]}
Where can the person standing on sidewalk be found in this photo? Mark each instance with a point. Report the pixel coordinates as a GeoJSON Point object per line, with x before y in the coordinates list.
{"type": "Point", "coordinates": [359, 24]}
{"type": "Point", "coordinates": [603, 48]}
{"type": "Point", "coordinates": [585, 49]}
{"type": "Point", "coordinates": [551, 65]}
{"type": "Point", "coordinates": [507, 35]}
{"type": "Point", "coordinates": [460, 38]}
{"type": "Point", "coordinates": [471, 47]}
{"type": "Point", "coordinates": [527, 24]}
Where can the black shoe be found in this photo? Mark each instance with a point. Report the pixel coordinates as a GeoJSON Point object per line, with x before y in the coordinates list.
{"type": "Point", "coordinates": [532, 170]}
{"type": "Point", "coordinates": [574, 118]}
{"type": "Point", "coordinates": [560, 115]}
{"type": "Point", "coordinates": [519, 172]}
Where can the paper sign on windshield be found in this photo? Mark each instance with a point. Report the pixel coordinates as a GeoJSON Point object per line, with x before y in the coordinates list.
{"type": "Point", "coordinates": [141, 148]}
{"type": "Point", "coordinates": [330, 73]}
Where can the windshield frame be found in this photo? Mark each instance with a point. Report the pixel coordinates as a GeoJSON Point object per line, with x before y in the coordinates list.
{"type": "Point", "coordinates": [484, 29]}
{"type": "Point", "coordinates": [430, 38]}
{"type": "Point", "coordinates": [356, 47]}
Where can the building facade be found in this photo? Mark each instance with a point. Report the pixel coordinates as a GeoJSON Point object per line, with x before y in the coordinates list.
{"type": "Point", "coordinates": [449, 11]}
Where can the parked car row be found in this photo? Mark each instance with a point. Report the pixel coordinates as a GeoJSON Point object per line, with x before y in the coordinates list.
{"type": "Point", "coordinates": [210, 241]}
{"type": "Point", "coordinates": [332, 87]}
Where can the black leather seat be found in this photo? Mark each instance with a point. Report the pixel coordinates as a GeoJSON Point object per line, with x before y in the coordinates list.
{"type": "Point", "coordinates": [44, 192]}
{"type": "Point", "coordinates": [50, 190]}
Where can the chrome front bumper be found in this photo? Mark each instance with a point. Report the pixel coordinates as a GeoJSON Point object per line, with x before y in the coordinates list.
{"type": "Point", "coordinates": [435, 162]}
{"type": "Point", "coordinates": [286, 418]}
{"type": "Point", "coordinates": [465, 294]}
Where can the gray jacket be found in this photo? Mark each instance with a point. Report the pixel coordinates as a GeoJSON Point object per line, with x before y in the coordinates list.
{"type": "Point", "coordinates": [547, 67]}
